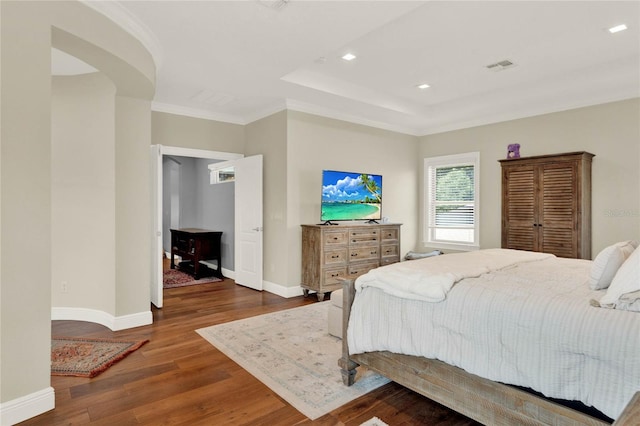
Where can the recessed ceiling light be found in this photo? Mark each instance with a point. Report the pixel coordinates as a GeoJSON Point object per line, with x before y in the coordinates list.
{"type": "Point", "coordinates": [423, 86]}
{"type": "Point", "coordinates": [617, 28]}
{"type": "Point", "coordinates": [349, 57]}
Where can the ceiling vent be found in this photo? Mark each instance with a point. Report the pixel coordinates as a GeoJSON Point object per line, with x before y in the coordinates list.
{"type": "Point", "coordinates": [274, 4]}
{"type": "Point", "coordinates": [502, 65]}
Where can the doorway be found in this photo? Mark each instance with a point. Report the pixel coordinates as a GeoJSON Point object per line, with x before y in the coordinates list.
{"type": "Point", "coordinates": [244, 194]}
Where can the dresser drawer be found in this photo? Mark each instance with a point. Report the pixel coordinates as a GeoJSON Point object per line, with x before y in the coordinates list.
{"type": "Point", "coordinates": [335, 257]}
{"type": "Point", "coordinates": [364, 236]}
{"type": "Point", "coordinates": [360, 269]}
{"type": "Point", "coordinates": [335, 238]}
{"type": "Point", "coordinates": [390, 234]}
{"type": "Point", "coordinates": [389, 250]}
{"type": "Point", "coordinates": [364, 253]}
{"type": "Point", "coordinates": [331, 276]}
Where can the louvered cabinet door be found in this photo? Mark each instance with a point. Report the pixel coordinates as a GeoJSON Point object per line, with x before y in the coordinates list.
{"type": "Point", "coordinates": [558, 211]}
{"type": "Point", "coordinates": [519, 208]}
{"type": "Point", "coordinates": [546, 204]}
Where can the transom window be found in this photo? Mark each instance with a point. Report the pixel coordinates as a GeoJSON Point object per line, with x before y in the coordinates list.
{"type": "Point", "coordinates": [452, 201]}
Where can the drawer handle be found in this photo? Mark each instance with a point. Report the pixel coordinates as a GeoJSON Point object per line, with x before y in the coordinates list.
{"type": "Point", "coordinates": [335, 256]}
{"type": "Point", "coordinates": [354, 254]}
{"type": "Point", "coordinates": [374, 252]}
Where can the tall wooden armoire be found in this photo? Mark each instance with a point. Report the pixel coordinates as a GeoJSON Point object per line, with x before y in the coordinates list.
{"type": "Point", "coordinates": [546, 204]}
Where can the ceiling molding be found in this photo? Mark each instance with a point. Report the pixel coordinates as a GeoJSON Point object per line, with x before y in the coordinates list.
{"type": "Point", "coordinates": [131, 24]}
{"type": "Point", "coordinates": [336, 115]}
{"type": "Point", "coordinates": [510, 116]}
{"type": "Point", "coordinates": [196, 113]}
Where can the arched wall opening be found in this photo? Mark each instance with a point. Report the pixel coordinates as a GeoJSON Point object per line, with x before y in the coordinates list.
{"type": "Point", "coordinates": [28, 31]}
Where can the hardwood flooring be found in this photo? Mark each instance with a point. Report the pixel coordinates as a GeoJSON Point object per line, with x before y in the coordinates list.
{"type": "Point", "coordinates": [180, 379]}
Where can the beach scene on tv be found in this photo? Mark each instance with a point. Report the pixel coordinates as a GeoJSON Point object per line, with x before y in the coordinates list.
{"type": "Point", "coordinates": [351, 196]}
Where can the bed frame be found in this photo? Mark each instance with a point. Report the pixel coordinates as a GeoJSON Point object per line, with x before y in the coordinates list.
{"type": "Point", "coordinates": [481, 399]}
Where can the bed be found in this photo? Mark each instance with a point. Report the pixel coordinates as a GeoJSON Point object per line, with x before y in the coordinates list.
{"type": "Point", "coordinates": [502, 335]}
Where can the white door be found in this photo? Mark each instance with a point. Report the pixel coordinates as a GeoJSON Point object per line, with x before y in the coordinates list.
{"type": "Point", "coordinates": [248, 219]}
{"type": "Point", "coordinates": [156, 223]}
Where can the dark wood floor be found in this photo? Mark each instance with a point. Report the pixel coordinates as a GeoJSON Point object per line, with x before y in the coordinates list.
{"type": "Point", "coordinates": [180, 379]}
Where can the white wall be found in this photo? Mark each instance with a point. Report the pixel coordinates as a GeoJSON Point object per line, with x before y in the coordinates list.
{"type": "Point", "coordinates": [610, 131]}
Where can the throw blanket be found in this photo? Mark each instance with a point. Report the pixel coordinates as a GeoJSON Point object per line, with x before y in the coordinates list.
{"type": "Point", "coordinates": [430, 279]}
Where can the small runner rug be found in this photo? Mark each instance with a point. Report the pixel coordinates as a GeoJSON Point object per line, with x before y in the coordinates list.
{"type": "Point", "coordinates": [293, 354]}
{"type": "Point", "coordinates": [74, 356]}
{"type": "Point", "coordinates": [173, 278]}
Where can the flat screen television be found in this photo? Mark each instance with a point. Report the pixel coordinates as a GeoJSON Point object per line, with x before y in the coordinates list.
{"type": "Point", "coordinates": [350, 196]}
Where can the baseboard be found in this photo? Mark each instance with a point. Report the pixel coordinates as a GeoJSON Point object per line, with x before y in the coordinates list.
{"type": "Point", "coordinates": [26, 407]}
{"type": "Point", "coordinates": [100, 317]}
{"type": "Point", "coordinates": [132, 320]}
{"type": "Point", "coordinates": [228, 273]}
{"type": "Point", "coordinates": [281, 290]}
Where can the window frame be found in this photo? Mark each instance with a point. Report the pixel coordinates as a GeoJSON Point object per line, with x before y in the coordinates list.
{"type": "Point", "coordinates": [465, 159]}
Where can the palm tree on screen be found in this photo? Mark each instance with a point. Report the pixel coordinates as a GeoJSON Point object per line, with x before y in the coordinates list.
{"type": "Point", "coordinates": [371, 186]}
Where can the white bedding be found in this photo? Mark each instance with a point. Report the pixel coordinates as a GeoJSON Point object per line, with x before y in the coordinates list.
{"type": "Point", "coordinates": [412, 280]}
{"type": "Point", "coordinates": [528, 324]}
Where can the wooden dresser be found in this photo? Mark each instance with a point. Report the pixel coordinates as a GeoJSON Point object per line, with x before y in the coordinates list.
{"type": "Point", "coordinates": [546, 204]}
{"type": "Point", "coordinates": [330, 252]}
{"type": "Point", "coordinates": [194, 246]}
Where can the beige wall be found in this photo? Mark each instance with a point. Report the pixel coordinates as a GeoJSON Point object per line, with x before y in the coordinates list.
{"type": "Point", "coordinates": [133, 205]}
{"type": "Point", "coordinates": [25, 201]}
{"type": "Point", "coordinates": [83, 192]}
{"type": "Point", "coordinates": [268, 137]}
{"type": "Point", "coordinates": [610, 131]}
{"type": "Point", "coordinates": [26, 33]}
{"type": "Point", "coordinates": [316, 143]}
{"type": "Point", "coordinates": [188, 132]}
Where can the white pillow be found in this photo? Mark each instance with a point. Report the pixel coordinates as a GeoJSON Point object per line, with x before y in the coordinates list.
{"type": "Point", "coordinates": [627, 280]}
{"type": "Point", "coordinates": [629, 301]}
{"type": "Point", "coordinates": [607, 262]}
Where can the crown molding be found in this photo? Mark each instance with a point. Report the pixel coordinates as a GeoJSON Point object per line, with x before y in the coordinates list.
{"type": "Point", "coordinates": [196, 113]}
{"type": "Point", "coordinates": [131, 24]}
{"type": "Point", "coordinates": [329, 113]}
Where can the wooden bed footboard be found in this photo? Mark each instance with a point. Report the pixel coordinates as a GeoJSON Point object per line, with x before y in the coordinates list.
{"type": "Point", "coordinates": [481, 399]}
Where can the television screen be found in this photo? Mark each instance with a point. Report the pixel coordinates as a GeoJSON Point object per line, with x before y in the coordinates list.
{"type": "Point", "coordinates": [351, 196]}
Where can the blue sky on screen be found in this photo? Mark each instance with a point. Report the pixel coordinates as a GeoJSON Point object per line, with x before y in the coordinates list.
{"type": "Point", "coordinates": [343, 186]}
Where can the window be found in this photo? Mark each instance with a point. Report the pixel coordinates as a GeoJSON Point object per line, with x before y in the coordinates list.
{"type": "Point", "coordinates": [452, 201]}
{"type": "Point", "coordinates": [221, 175]}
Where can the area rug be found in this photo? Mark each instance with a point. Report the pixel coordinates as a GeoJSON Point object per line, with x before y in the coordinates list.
{"type": "Point", "coordinates": [173, 278]}
{"type": "Point", "coordinates": [293, 354]}
{"type": "Point", "coordinates": [74, 356]}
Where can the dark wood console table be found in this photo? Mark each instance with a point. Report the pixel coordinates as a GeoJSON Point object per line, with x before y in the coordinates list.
{"type": "Point", "coordinates": [194, 245]}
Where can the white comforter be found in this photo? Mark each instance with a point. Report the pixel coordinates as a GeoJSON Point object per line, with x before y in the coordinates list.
{"type": "Point", "coordinates": [528, 324]}
{"type": "Point", "coordinates": [431, 279]}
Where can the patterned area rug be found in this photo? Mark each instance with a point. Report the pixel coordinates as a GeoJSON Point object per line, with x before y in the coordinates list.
{"type": "Point", "coordinates": [173, 278]}
{"type": "Point", "coordinates": [292, 353]}
{"type": "Point", "coordinates": [73, 356]}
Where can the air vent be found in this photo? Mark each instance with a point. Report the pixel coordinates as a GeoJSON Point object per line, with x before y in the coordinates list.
{"type": "Point", "coordinates": [274, 4]}
{"type": "Point", "coordinates": [502, 65]}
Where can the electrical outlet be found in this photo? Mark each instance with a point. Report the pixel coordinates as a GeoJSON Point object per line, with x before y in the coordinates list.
{"type": "Point", "coordinates": [64, 287]}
